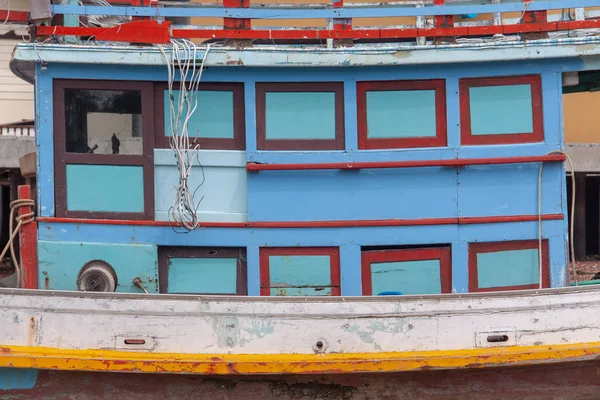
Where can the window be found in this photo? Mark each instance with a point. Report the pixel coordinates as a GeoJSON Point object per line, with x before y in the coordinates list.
{"type": "Point", "coordinates": [193, 270]}
{"type": "Point", "coordinates": [408, 271]}
{"type": "Point", "coordinates": [507, 266]}
{"type": "Point", "coordinates": [501, 110]}
{"type": "Point", "coordinates": [300, 271]}
{"type": "Point", "coordinates": [103, 149]}
{"type": "Point", "coordinates": [401, 114]}
{"type": "Point", "coordinates": [218, 121]}
{"type": "Point", "coordinates": [300, 116]}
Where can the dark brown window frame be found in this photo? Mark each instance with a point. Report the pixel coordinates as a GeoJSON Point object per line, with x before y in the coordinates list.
{"type": "Point", "coordinates": [299, 144]}
{"type": "Point", "coordinates": [239, 117]}
{"type": "Point", "coordinates": [165, 253]}
{"type": "Point", "coordinates": [62, 158]}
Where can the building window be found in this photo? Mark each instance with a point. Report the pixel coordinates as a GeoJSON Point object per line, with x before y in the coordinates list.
{"type": "Point", "coordinates": [300, 271]}
{"type": "Point", "coordinates": [407, 271]}
{"type": "Point", "coordinates": [401, 114]}
{"type": "Point", "coordinates": [300, 116]}
{"type": "Point", "coordinates": [103, 149]}
{"type": "Point", "coordinates": [507, 266]}
{"type": "Point", "coordinates": [200, 270]}
{"type": "Point", "coordinates": [217, 123]}
{"type": "Point", "coordinates": [501, 110]}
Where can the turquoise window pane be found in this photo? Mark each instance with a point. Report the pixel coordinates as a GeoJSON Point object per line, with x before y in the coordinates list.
{"type": "Point", "coordinates": [501, 110]}
{"type": "Point", "coordinates": [300, 270]}
{"type": "Point", "coordinates": [300, 115]}
{"type": "Point", "coordinates": [105, 188]}
{"type": "Point", "coordinates": [213, 118]}
{"type": "Point", "coordinates": [508, 268]}
{"type": "Point", "coordinates": [408, 277]}
{"type": "Point", "coordinates": [203, 275]}
{"type": "Point", "coordinates": [401, 114]}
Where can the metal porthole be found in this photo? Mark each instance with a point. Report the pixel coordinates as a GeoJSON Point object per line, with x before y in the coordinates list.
{"type": "Point", "coordinates": [97, 276]}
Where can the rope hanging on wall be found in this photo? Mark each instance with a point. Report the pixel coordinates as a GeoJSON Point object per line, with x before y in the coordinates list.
{"type": "Point", "coordinates": [182, 106]}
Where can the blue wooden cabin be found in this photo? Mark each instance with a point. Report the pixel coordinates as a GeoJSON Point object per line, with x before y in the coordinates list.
{"type": "Point", "coordinates": [404, 174]}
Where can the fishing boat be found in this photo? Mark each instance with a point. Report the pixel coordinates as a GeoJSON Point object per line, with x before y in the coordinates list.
{"type": "Point", "coordinates": [370, 203]}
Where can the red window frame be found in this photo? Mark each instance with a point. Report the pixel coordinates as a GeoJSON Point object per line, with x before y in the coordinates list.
{"type": "Point", "coordinates": [492, 247]}
{"type": "Point", "coordinates": [466, 136]}
{"type": "Point", "coordinates": [333, 252]}
{"type": "Point", "coordinates": [439, 140]}
{"type": "Point", "coordinates": [434, 253]}
{"type": "Point", "coordinates": [262, 88]}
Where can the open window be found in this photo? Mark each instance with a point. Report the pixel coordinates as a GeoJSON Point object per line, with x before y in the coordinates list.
{"type": "Point", "coordinates": [103, 149]}
{"type": "Point", "coordinates": [401, 114]}
{"type": "Point", "coordinates": [300, 271]}
{"type": "Point", "coordinates": [506, 110]}
{"type": "Point", "coordinates": [407, 271]}
{"type": "Point", "coordinates": [202, 270]}
{"type": "Point", "coordinates": [498, 266]}
{"type": "Point", "coordinates": [218, 122]}
{"type": "Point", "coordinates": [300, 116]}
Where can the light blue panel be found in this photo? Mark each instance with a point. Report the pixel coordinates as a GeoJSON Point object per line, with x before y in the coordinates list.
{"type": "Point", "coordinates": [300, 115]}
{"type": "Point", "coordinates": [408, 277]}
{"type": "Point", "coordinates": [213, 117]}
{"type": "Point", "coordinates": [338, 195]}
{"type": "Point", "coordinates": [460, 273]}
{"type": "Point", "coordinates": [203, 275]}
{"type": "Point", "coordinates": [350, 122]}
{"type": "Point", "coordinates": [44, 142]}
{"type": "Point", "coordinates": [110, 188]}
{"type": "Point", "coordinates": [325, 291]}
{"type": "Point", "coordinates": [508, 268]}
{"type": "Point", "coordinates": [401, 114]}
{"type": "Point", "coordinates": [17, 379]}
{"type": "Point", "coordinates": [351, 269]}
{"type": "Point", "coordinates": [300, 270]}
{"type": "Point", "coordinates": [452, 113]}
{"type": "Point", "coordinates": [60, 263]}
{"type": "Point", "coordinates": [253, 269]}
{"type": "Point", "coordinates": [501, 109]}
{"type": "Point", "coordinates": [502, 190]}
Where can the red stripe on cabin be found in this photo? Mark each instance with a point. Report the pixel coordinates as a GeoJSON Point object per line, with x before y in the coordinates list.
{"type": "Point", "coordinates": [14, 16]}
{"type": "Point", "coordinates": [316, 224]}
{"type": "Point", "coordinates": [455, 162]}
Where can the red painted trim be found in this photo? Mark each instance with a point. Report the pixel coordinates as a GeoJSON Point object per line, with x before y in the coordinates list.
{"type": "Point", "coordinates": [14, 16]}
{"type": "Point", "coordinates": [28, 245]}
{"type": "Point", "coordinates": [237, 23]}
{"type": "Point", "coordinates": [454, 162]}
{"type": "Point", "coordinates": [491, 247]}
{"type": "Point", "coordinates": [439, 140]}
{"type": "Point", "coordinates": [434, 253]}
{"type": "Point", "coordinates": [466, 136]}
{"type": "Point", "coordinates": [332, 252]}
{"type": "Point", "coordinates": [316, 224]}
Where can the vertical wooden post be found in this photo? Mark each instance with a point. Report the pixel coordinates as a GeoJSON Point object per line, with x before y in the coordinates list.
{"type": "Point", "coordinates": [340, 24]}
{"type": "Point", "coordinates": [496, 17]}
{"type": "Point", "coordinates": [236, 23]}
{"type": "Point", "coordinates": [139, 3]}
{"type": "Point", "coordinates": [580, 14]}
{"type": "Point", "coordinates": [534, 17]}
{"type": "Point", "coordinates": [442, 21]}
{"type": "Point", "coordinates": [28, 245]}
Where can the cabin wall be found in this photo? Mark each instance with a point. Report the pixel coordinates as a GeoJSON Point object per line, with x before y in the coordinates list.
{"type": "Point", "coordinates": [429, 200]}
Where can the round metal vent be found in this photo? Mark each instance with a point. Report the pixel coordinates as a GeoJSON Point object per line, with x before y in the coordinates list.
{"type": "Point", "coordinates": [97, 276]}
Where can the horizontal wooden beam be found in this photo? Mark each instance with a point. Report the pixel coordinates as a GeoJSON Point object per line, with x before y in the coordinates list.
{"type": "Point", "coordinates": [14, 16]}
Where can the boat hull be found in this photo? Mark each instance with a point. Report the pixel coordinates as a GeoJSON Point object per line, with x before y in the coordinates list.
{"type": "Point", "coordinates": [567, 381]}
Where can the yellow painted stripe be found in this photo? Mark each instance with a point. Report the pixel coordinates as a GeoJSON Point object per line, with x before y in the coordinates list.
{"type": "Point", "coordinates": [254, 364]}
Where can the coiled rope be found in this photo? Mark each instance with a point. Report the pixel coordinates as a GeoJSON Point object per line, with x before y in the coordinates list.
{"type": "Point", "coordinates": [21, 220]}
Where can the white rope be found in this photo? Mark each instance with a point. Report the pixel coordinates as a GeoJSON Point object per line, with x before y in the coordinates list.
{"type": "Point", "coordinates": [21, 220]}
{"type": "Point", "coordinates": [181, 109]}
{"type": "Point", "coordinates": [571, 221]}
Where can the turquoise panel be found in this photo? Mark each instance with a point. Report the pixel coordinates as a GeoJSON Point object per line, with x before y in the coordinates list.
{"type": "Point", "coordinates": [501, 109]}
{"type": "Point", "coordinates": [401, 114]}
{"type": "Point", "coordinates": [300, 115]}
{"type": "Point", "coordinates": [213, 117]}
{"type": "Point", "coordinates": [60, 263]}
{"type": "Point", "coordinates": [14, 379]}
{"type": "Point", "coordinates": [108, 188]}
{"type": "Point", "coordinates": [408, 277]}
{"type": "Point", "coordinates": [203, 275]}
{"type": "Point", "coordinates": [508, 268]}
{"type": "Point", "coordinates": [300, 270]}
{"type": "Point", "coordinates": [325, 291]}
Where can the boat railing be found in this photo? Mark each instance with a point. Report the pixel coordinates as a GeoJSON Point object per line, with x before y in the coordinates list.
{"type": "Point", "coordinates": [342, 21]}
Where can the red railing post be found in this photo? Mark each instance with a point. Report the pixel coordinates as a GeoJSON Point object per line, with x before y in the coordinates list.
{"type": "Point", "coordinates": [28, 244]}
{"type": "Point", "coordinates": [342, 24]}
{"type": "Point", "coordinates": [534, 17]}
{"type": "Point", "coordinates": [442, 22]}
{"type": "Point", "coordinates": [140, 3]}
{"type": "Point", "coordinates": [236, 23]}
